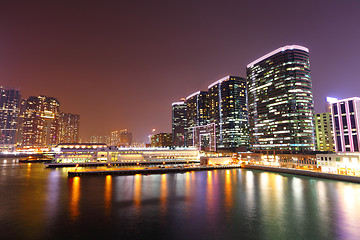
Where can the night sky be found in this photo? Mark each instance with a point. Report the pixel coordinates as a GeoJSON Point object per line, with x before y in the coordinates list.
{"type": "Point", "coordinates": [120, 64]}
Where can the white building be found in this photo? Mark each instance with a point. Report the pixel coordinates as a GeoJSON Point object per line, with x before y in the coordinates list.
{"type": "Point", "coordinates": [340, 163]}
{"type": "Point", "coordinates": [88, 152]}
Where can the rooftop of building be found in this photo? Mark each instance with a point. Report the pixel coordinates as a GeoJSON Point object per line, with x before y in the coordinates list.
{"type": "Point", "coordinates": [281, 49]}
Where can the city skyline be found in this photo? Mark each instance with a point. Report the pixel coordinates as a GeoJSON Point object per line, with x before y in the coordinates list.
{"type": "Point", "coordinates": [103, 59]}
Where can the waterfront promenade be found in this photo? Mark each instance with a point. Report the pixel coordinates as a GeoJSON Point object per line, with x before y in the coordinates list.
{"type": "Point", "coordinates": [307, 173]}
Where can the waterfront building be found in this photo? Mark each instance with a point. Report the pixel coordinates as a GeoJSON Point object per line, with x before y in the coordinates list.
{"type": "Point", "coordinates": [81, 153]}
{"type": "Point", "coordinates": [197, 107]}
{"type": "Point", "coordinates": [88, 152]}
{"type": "Point", "coordinates": [276, 158]}
{"type": "Point", "coordinates": [179, 120]}
{"type": "Point", "coordinates": [346, 124]}
{"type": "Point", "coordinates": [156, 154]}
{"type": "Point", "coordinates": [161, 140]}
{"type": "Point", "coordinates": [69, 128]}
{"type": "Point", "coordinates": [228, 111]}
{"type": "Point", "coordinates": [125, 138]}
{"type": "Point", "coordinates": [324, 132]}
{"type": "Point", "coordinates": [339, 163]}
{"type": "Point", "coordinates": [39, 122]}
{"type": "Point", "coordinates": [280, 100]}
{"type": "Point", "coordinates": [9, 117]}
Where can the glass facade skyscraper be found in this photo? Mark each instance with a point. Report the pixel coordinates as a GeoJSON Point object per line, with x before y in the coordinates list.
{"type": "Point", "coordinates": [179, 124]}
{"type": "Point", "coordinates": [197, 107]}
{"type": "Point", "coordinates": [228, 110]}
{"type": "Point", "coordinates": [9, 115]}
{"type": "Point", "coordinates": [280, 100]}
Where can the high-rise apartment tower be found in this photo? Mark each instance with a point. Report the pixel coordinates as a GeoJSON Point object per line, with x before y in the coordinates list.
{"type": "Point", "coordinates": [69, 128]}
{"type": "Point", "coordinates": [39, 122]}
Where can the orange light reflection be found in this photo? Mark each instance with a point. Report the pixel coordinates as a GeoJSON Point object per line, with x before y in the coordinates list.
{"type": "Point", "coordinates": [163, 192]}
{"type": "Point", "coordinates": [75, 196]}
{"type": "Point", "coordinates": [108, 192]}
{"type": "Point", "coordinates": [210, 191]}
{"type": "Point", "coordinates": [228, 190]}
{"type": "Point", "coordinates": [137, 190]}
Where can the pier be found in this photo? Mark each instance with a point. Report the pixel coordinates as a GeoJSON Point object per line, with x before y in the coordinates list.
{"type": "Point", "coordinates": [149, 170]}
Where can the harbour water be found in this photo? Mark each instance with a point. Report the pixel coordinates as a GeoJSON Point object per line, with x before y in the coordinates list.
{"type": "Point", "coordinates": [40, 203]}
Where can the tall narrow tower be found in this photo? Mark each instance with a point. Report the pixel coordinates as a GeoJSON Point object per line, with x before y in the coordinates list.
{"type": "Point", "coordinates": [179, 124]}
{"type": "Point", "coordinates": [9, 115]}
{"type": "Point", "coordinates": [228, 110]}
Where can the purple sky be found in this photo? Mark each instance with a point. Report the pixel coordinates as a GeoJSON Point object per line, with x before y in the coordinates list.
{"type": "Point", "coordinates": [120, 64]}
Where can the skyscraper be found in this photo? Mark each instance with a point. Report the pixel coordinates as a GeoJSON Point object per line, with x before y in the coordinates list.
{"type": "Point", "coordinates": [115, 138]}
{"type": "Point", "coordinates": [197, 107]}
{"type": "Point", "coordinates": [125, 138]}
{"type": "Point", "coordinates": [69, 128]}
{"type": "Point", "coordinates": [9, 115]}
{"type": "Point", "coordinates": [39, 121]}
{"type": "Point", "coordinates": [228, 110]}
{"type": "Point", "coordinates": [280, 100]}
{"type": "Point", "coordinates": [179, 124]}
{"type": "Point", "coordinates": [346, 124]}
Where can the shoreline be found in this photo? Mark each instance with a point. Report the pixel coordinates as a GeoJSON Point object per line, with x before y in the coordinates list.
{"type": "Point", "coordinates": [305, 173]}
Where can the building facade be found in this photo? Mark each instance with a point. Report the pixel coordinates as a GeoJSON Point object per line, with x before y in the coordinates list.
{"type": "Point", "coordinates": [204, 137]}
{"type": "Point", "coordinates": [197, 107]}
{"type": "Point", "coordinates": [69, 128]}
{"type": "Point", "coordinates": [91, 153]}
{"type": "Point", "coordinates": [324, 132]}
{"type": "Point", "coordinates": [101, 139]}
{"type": "Point", "coordinates": [39, 122]}
{"type": "Point", "coordinates": [9, 115]}
{"type": "Point", "coordinates": [161, 140]}
{"type": "Point", "coordinates": [179, 120]}
{"type": "Point", "coordinates": [280, 100]}
{"type": "Point", "coordinates": [125, 138]}
{"type": "Point", "coordinates": [346, 119]}
{"type": "Point", "coordinates": [115, 138]}
{"type": "Point", "coordinates": [228, 111]}
{"type": "Point", "coordinates": [339, 163]}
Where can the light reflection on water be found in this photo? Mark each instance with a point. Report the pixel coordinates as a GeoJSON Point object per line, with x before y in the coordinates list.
{"type": "Point", "coordinates": [39, 203]}
{"type": "Point", "coordinates": [75, 197]}
{"type": "Point", "coordinates": [108, 194]}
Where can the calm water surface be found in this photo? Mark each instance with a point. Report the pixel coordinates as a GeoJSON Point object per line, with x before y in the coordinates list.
{"type": "Point", "coordinates": [39, 203]}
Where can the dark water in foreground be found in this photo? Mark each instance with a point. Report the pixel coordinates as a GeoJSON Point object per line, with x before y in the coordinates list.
{"type": "Point", "coordinates": [39, 203]}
